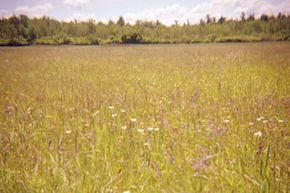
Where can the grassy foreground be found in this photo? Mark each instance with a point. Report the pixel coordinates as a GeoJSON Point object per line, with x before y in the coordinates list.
{"type": "Point", "coordinates": [150, 118]}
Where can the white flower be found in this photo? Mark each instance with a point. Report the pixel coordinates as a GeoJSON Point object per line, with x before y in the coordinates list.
{"type": "Point", "coordinates": [111, 107]}
{"type": "Point", "coordinates": [260, 118]}
{"type": "Point", "coordinates": [251, 123]}
{"type": "Point", "coordinates": [156, 129]}
{"type": "Point", "coordinates": [127, 191]}
{"type": "Point", "coordinates": [114, 115]}
{"type": "Point", "coordinates": [281, 121]}
{"type": "Point", "coordinates": [226, 121]}
{"type": "Point", "coordinates": [147, 144]}
{"type": "Point", "coordinates": [68, 131]}
{"type": "Point", "coordinates": [265, 121]}
{"type": "Point", "coordinates": [150, 128]}
{"type": "Point", "coordinates": [258, 134]}
{"type": "Point", "coordinates": [134, 120]}
{"type": "Point", "coordinates": [124, 127]}
{"type": "Point", "coordinates": [140, 130]}
{"type": "Point", "coordinates": [123, 110]}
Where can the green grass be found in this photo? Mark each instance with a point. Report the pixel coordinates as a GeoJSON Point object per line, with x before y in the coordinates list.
{"type": "Point", "coordinates": [150, 118]}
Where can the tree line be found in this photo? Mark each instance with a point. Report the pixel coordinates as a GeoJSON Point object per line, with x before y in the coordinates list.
{"type": "Point", "coordinates": [22, 30]}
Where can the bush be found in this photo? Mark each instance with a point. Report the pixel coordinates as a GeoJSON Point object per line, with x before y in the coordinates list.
{"type": "Point", "coordinates": [93, 40]}
{"type": "Point", "coordinates": [80, 41]}
{"type": "Point", "coordinates": [46, 41]}
{"type": "Point", "coordinates": [62, 39]}
{"type": "Point", "coordinates": [282, 36]}
{"type": "Point", "coordinates": [131, 38]}
{"type": "Point", "coordinates": [19, 41]}
{"type": "Point", "coordinates": [66, 41]}
{"type": "Point", "coordinates": [3, 42]}
{"type": "Point", "coordinates": [239, 39]}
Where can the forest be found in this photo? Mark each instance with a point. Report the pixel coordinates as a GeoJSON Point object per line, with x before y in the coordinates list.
{"type": "Point", "coordinates": [23, 30]}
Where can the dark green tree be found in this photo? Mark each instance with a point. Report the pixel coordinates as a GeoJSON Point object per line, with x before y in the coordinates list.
{"type": "Point", "coordinates": [121, 21]}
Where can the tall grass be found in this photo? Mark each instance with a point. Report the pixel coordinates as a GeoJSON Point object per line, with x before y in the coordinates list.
{"type": "Point", "coordinates": [163, 118]}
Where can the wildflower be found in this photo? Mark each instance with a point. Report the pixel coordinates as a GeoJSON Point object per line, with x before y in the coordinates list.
{"type": "Point", "coordinates": [68, 131]}
{"type": "Point", "coordinates": [226, 121]}
{"type": "Point", "coordinates": [147, 144]}
{"type": "Point", "coordinates": [258, 134]}
{"type": "Point", "coordinates": [134, 120]}
{"type": "Point", "coordinates": [251, 123]}
{"type": "Point", "coordinates": [114, 115]}
{"type": "Point", "coordinates": [150, 128]}
{"type": "Point", "coordinates": [281, 121]}
{"type": "Point", "coordinates": [275, 168]}
{"type": "Point", "coordinates": [215, 132]}
{"type": "Point", "coordinates": [265, 121]}
{"type": "Point", "coordinates": [124, 127]}
{"type": "Point", "coordinates": [111, 107]}
{"type": "Point", "coordinates": [8, 109]}
{"type": "Point", "coordinates": [123, 110]}
{"type": "Point", "coordinates": [260, 118]}
{"type": "Point", "coordinates": [156, 129]}
{"type": "Point", "coordinates": [127, 191]}
{"type": "Point", "coordinates": [140, 130]}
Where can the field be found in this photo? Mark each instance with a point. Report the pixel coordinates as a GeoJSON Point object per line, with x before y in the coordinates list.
{"type": "Point", "coordinates": [146, 118]}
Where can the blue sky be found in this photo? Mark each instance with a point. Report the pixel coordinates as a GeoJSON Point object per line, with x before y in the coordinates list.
{"type": "Point", "coordinates": [165, 10]}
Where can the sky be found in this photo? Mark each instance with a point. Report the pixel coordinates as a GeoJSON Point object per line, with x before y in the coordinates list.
{"type": "Point", "coordinates": [166, 11]}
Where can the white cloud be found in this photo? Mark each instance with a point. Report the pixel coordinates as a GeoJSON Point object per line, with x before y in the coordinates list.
{"type": "Point", "coordinates": [216, 8]}
{"type": "Point", "coordinates": [81, 17]}
{"type": "Point", "coordinates": [165, 14]}
{"type": "Point", "coordinates": [40, 9]}
{"type": "Point", "coordinates": [76, 3]}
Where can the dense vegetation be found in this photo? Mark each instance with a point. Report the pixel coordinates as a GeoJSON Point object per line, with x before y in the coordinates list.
{"type": "Point", "coordinates": [22, 30]}
{"type": "Point", "coordinates": [156, 118]}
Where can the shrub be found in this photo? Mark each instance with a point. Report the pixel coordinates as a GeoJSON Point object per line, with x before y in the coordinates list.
{"type": "Point", "coordinates": [131, 38]}
{"type": "Point", "coordinates": [19, 41]}
{"type": "Point", "coordinates": [238, 39]}
{"type": "Point", "coordinates": [3, 42]}
{"type": "Point", "coordinates": [282, 36]}
{"type": "Point", "coordinates": [80, 41]}
{"type": "Point", "coordinates": [93, 40]}
{"type": "Point", "coordinates": [48, 40]}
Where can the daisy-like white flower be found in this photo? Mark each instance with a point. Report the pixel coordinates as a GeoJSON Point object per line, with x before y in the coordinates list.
{"type": "Point", "coordinates": [150, 128]}
{"type": "Point", "coordinates": [123, 110]}
{"type": "Point", "coordinates": [156, 129]}
{"type": "Point", "coordinates": [251, 123]}
{"type": "Point", "coordinates": [134, 120]}
{"type": "Point", "coordinates": [140, 130]}
{"type": "Point", "coordinates": [258, 134]}
{"type": "Point", "coordinates": [111, 107]}
{"type": "Point", "coordinates": [147, 144]}
{"type": "Point", "coordinates": [226, 121]}
{"type": "Point", "coordinates": [127, 191]}
{"type": "Point", "coordinates": [114, 115]}
{"type": "Point", "coordinates": [68, 131]}
{"type": "Point", "coordinates": [265, 121]}
{"type": "Point", "coordinates": [281, 121]}
{"type": "Point", "coordinates": [260, 118]}
{"type": "Point", "coordinates": [124, 127]}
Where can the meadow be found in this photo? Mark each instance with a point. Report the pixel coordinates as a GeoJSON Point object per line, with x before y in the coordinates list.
{"type": "Point", "coordinates": [145, 118]}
